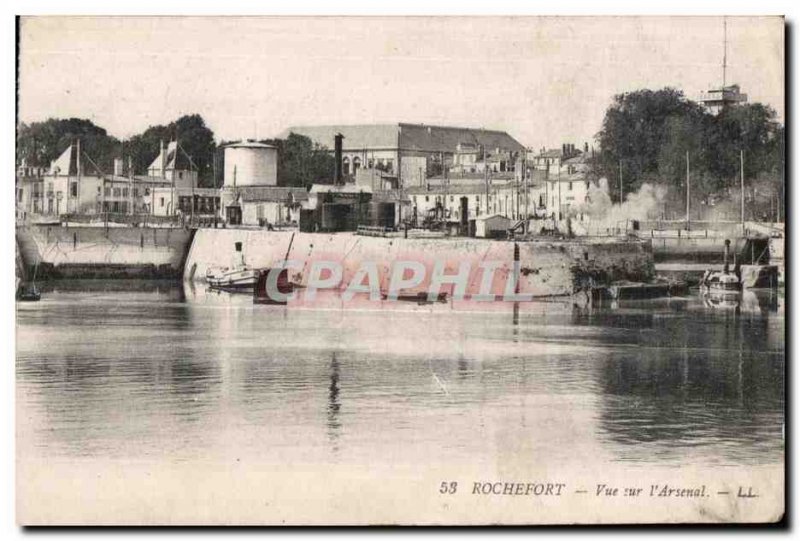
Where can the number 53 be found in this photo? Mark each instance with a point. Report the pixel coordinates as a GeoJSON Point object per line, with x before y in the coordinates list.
{"type": "Point", "coordinates": [448, 488]}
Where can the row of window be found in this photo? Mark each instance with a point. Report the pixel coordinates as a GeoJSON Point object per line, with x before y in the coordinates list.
{"type": "Point", "coordinates": [569, 185]}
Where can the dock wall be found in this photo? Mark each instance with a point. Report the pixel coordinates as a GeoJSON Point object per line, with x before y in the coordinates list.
{"type": "Point", "coordinates": [547, 268]}
{"type": "Point", "coordinates": [98, 252]}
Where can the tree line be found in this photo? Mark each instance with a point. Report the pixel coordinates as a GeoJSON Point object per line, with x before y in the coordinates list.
{"type": "Point", "coordinates": [646, 135]}
{"type": "Point", "coordinates": [300, 163]}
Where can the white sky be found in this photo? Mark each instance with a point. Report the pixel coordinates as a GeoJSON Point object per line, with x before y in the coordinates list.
{"type": "Point", "coordinates": [544, 80]}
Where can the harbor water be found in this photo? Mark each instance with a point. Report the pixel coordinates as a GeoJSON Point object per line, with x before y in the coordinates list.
{"type": "Point", "coordinates": [155, 375]}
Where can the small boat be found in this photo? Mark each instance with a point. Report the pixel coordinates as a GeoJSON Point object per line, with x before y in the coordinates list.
{"type": "Point", "coordinates": [232, 278]}
{"type": "Point", "coordinates": [722, 280]}
{"type": "Point", "coordinates": [28, 294]}
{"type": "Point", "coordinates": [238, 276]}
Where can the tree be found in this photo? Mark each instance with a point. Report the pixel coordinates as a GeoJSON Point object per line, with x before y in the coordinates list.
{"type": "Point", "coordinates": [194, 138]}
{"type": "Point", "coordinates": [648, 134]}
{"type": "Point", "coordinates": [39, 143]}
{"type": "Point", "coordinates": [635, 129]}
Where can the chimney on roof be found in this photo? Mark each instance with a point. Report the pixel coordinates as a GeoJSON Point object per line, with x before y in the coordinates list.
{"type": "Point", "coordinates": [564, 149]}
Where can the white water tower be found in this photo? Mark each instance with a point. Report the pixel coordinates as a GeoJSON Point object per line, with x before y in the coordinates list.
{"type": "Point", "coordinates": [250, 164]}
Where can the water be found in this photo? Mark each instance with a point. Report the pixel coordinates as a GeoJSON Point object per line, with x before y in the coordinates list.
{"type": "Point", "coordinates": [150, 372]}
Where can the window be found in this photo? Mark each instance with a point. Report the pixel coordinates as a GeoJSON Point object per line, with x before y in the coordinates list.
{"type": "Point", "coordinates": [73, 189]}
{"type": "Point", "coordinates": [346, 166]}
{"type": "Point", "coordinates": [124, 192]}
{"type": "Point", "coordinates": [136, 192]}
{"type": "Point", "coordinates": [161, 201]}
{"type": "Point", "coordinates": [390, 165]}
{"type": "Point", "coordinates": [356, 164]}
{"type": "Point", "coordinates": [451, 198]}
{"type": "Point", "coordinates": [427, 198]}
{"type": "Point", "coordinates": [107, 191]}
{"type": "Point", "coordinates": [98, 190]}
{"type": "Point", "coordinates": [180, 175]}
{"type": "Point", "coordinates": [116, 192]}
{"type": "Point", "coordinates": [569, 187]}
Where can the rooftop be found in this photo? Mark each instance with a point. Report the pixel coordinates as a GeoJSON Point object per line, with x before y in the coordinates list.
{"type": "Point", "coordinates": [407, 137]}
{"type": "Point", "coordinates": [248, 144]}
{"type": "Point", "coordinates": [270, 193]}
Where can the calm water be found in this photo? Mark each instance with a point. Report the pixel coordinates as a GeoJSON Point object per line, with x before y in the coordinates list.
{"type": "Point", "coordinates": [159, 373]}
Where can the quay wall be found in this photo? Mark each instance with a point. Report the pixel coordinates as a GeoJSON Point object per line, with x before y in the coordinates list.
{"type": "Point", "coordinates": [547, 267]}
{"type": "Point", "coordinates": [99, 252]}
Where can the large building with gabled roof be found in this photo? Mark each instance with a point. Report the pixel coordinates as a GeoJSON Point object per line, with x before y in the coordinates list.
{"type": "Point", "coordinates": [406, 152]}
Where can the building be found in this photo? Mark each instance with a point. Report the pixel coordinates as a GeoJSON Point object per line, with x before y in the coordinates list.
{"type": "Point", "coordinates": [335, 208]}
{"type": "Point", "coordinates": [717, 99]}
{"type": "Point", "coordinates": [66, 187]}
{"type": "Point", "coordinates": [250, 194]}
{"type": "Point", "coordinates": [174, 165]}
{"type": "Point", "coordinates": [492, 226]}
{"type": "Point", "coordinates": [467, 199]}
{"type": "Point", "coordinates": [407, 153]}
{"type": "Point", "coordinates": [569, 189]}
{"type": "Point", "coordinates": [551, 160]}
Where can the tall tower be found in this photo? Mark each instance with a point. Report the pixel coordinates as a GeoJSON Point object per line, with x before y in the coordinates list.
{"type": "Point", "coordinates": [718, 99]}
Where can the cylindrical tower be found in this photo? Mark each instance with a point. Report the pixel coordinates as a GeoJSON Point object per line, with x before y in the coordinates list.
{"type": "Point", "coordinates": [250, 164]}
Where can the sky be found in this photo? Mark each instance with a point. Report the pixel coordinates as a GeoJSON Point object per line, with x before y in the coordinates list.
{"type": "Point", "coordinates": [546, 81]}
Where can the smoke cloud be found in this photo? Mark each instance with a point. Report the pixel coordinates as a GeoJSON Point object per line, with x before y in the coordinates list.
{"type": "Point", "coordinates": [645, 204]}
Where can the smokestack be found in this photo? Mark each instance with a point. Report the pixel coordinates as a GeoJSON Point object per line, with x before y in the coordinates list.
{"type": "Point", "coordinates": [564, 148]}
{"type": "Point", "coordinates": [163, 160]}
{"type": "Point", "coordinates": [337, 156]}
{"type": "Point", "coordinates": [586, 148]}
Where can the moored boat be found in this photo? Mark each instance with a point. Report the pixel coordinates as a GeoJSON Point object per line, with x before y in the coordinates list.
{"type": "Point", "coordinates": [241, 277]}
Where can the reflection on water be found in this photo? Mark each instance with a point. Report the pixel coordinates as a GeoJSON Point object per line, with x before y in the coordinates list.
{"type": "Point", "coordinates": [159, 373]}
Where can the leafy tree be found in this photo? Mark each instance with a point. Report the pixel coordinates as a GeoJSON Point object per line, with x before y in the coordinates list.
{"type": "Point", "coordinates": [648, 134]}
{"type": "Point", "coordinates": [635, 130]}
{"type": "Point", "coordinates": [194, 138]}
{"type": "Point", "coordinates": [39, 143]}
